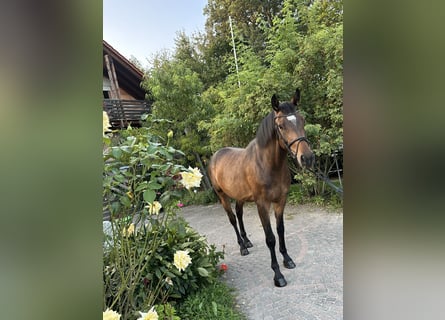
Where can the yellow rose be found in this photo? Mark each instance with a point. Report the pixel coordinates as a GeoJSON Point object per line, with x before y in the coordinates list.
{"type": "Point", "coordinates": [150, 315]}
{"type": "Point", "coordinates": [181, 260]}
{"type": "Point", "coordinates": [110, 315]}
{"type": "Point", "coordinates": [191, 178]}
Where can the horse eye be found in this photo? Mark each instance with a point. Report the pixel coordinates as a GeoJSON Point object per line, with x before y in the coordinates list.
{"type": "Point", "coordinates": [280, 127]}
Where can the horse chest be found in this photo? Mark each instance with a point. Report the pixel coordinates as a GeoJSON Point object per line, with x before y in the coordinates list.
{"type": "Point", "coordinates": [271, 187]}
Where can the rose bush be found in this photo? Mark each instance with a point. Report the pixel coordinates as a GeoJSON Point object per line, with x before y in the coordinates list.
{"type": "Point", "coordinates": [151, 255]}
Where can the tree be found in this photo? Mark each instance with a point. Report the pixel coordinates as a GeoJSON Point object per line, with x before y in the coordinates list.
{"type": "Point", "coordinates": [202, 56]}
{"type": "Point", "coordinates": [240, 106]}
{"type": "Point", "coordinates": [320, 71]}
{"type": "Point", "coordinates": [135, 61]}
{"type": "Point", "coordinates": [177, 90]}
{"type": "Point", "coordinates": [250, 16]}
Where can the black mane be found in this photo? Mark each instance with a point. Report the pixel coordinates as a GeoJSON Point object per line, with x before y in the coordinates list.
{"type": "Point", "coordinates": [266, 131]}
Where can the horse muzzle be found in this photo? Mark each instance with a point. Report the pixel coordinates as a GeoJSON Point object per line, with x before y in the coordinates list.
{"type": "Point", "coordinates": [307, 160]}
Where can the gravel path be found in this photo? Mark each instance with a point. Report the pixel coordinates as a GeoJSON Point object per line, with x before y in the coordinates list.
{"type": "Point", "coordinates": [314, 239]}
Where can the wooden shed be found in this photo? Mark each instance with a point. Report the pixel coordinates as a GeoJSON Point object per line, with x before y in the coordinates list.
{"type": "Point", "coordinates": [124, 98]}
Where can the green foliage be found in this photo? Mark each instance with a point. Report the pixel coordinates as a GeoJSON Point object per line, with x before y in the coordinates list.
{"type": "Point", "coordinates": [166, 312]}
{"type": "Point", "coordinates": [138, 266]}
{"type": "Point", "coordinates": [137, 171]}
{"type": "Point", "coordinates": [239, 109]}
{"type": "Point", "coordinates": [216, 302]}
{"type": "Point", "coordinates": [200, 198]}
{"type": "Point", "coordinates": [308, 189]}
{"type": "Point", "coordinates": [139, 269]}
{"type": "Point", "coordinates": [177, 90]}
{"type": "Point", "coordinates": [249, 18]}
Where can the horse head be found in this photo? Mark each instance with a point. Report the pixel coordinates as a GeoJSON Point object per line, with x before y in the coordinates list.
{"type": "Point", "coordinates": [289, 125]}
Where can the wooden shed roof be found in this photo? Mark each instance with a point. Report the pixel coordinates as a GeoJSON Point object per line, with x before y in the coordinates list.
{"type": "Point", "coordinates": [128, 75]}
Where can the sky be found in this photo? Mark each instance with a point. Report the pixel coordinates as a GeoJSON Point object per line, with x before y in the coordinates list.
{"type": "Point", "coordinates": [144, 27]}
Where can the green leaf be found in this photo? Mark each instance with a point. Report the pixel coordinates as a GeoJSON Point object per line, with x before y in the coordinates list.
{"type": "Point", "coordinates": [203, 272]}
{"type": "Point", "coordinates": [149, 196]}
{"type": "Point", "coordinates": [154, 185]}
{"type": "Point", "coordinates": [141, 186]}
{"type": "Point", "coordinates": [125, 201]}
{"type": "Point", "coordinates": [117, 153]}
{"type": "Point", "coordinates": [119, 177]}
{"type": "Point", "coordinates": [169, 274]}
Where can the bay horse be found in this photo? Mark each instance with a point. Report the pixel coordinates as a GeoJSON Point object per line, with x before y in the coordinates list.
{"type": "Point", "coordinates": [260, 173]}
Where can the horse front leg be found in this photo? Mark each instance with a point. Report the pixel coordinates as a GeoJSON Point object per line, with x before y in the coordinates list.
{"type": "Point", "coordinates": [279, 209]}
{"type": "Point", "coordinates": [263, 211]}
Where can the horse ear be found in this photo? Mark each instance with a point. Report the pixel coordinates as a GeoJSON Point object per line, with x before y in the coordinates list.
{"type": "Point", "coordinates": [275, 103]}
{"type": "Point", "coordinates": [296, 98]}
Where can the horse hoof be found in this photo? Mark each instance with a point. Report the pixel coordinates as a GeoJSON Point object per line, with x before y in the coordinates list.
{"type": "Point", "coordinates": [281, 282]}
{"type": "Point", "coordinates": [244, 252]}
{"type": "Point", "coordinates": [248, 244]}
{"type": "Point", "coordinates": [289, 264]}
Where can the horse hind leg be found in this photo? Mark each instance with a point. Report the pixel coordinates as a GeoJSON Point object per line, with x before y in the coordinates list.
{"type": "Point", "coordinates": [239, 215]}
{"type": "Point", "coordinates": [225, 201]}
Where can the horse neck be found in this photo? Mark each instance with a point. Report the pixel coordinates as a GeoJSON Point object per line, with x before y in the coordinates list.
{"type": "Point", "coordinates": [273, 154]}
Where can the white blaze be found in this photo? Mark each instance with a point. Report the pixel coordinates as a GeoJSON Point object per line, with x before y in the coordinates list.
{"type": "Point", "coordinates": [292, 119]}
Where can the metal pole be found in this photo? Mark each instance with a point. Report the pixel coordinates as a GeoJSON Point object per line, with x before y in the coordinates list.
{"type": "Point", "coordinates": [234, 50]}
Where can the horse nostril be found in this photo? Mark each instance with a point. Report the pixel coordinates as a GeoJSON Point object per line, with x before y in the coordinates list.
{"type": "Point", "coordinates": [307, 161]}
{"type": "Point", "coordinates": [311, 160]}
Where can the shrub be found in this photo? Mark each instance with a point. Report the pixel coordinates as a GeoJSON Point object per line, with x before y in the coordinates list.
{"type": "Point", "coordinates": [141, 186]}
{"type": "Point", "coordinates": [139, 171]}
{"type": "Point", "coordinates": [139, 269]}
{"type": "Point", "coordinates": [308, 189]}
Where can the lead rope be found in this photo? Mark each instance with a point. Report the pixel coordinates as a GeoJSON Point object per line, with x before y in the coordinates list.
{"type": "Point", "coordinates": [321, 176]}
